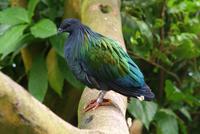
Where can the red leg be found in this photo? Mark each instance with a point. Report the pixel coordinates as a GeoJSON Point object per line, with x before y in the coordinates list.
{"type": "Point", "coordinates": [94, 104]}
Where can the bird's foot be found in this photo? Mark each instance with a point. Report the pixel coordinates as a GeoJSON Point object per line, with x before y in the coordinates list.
{"type": "Point", "coordinates": [94, 104]}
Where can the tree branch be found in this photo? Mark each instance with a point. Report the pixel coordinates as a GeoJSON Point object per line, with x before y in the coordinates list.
{"type": "Point", "coordinates": [20, 113]}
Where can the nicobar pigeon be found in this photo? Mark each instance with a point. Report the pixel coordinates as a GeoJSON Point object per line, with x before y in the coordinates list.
{"type": "Point", "coordinates": [100, 62]}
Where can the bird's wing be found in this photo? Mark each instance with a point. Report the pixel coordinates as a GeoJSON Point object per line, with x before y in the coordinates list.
{"type": "Point", "coordinates": [106, 61]}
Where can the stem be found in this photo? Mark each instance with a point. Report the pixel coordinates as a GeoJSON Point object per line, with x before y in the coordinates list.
{"type": "Point", "coordinates": [162, 36]}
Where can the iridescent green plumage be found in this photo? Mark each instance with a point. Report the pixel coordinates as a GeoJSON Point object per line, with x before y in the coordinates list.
{"type": "Point", "coordinates": [106, 59]}
{"type": "Point", "coordinates": [100, 62]}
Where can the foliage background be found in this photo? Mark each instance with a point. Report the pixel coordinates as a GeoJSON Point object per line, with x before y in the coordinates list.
{"type": "Point", "coordinates": [161, 36]}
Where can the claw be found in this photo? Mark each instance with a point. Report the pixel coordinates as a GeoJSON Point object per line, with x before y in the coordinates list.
{"type": "Point", "coordinates": [94, 104]}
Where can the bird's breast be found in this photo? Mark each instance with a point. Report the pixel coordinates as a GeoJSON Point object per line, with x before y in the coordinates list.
{"type": "Point", "coordinates": [72, 55]}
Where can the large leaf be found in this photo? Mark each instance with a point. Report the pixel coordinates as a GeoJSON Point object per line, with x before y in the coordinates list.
{"type": "Point", "coordinates": [187, 50]}
{"type": "Point", "coordinates": [3, 28]}
{"type": "Point", "coordinates": [129, 27]}
{"type": "Point", "coordinates": [38, 81]}
{"type": "Point", "coordinates": [57, 42]}
{"type": "Point", "coordinates": [172, 92]}
{"type": "Point", "coordinates": [24, 40]}
{"type": "Point", "coordinates": [10, 39]}
{"type": "Point", "coordinates": [31, 7]}
{"type": "Point", "coordinates": [67, 74]}
{"type": "Point", "coordinates": [167, 122]}
{"type": "Point", "coordinates": [144, 111]}
{"type": "Point", "coordinates": [137, 35]}
{"type": "Point", "coordinates": [55, 76]}
{"type": "Point", "coordinates": [132, 24]}
{"type": "Point", "coordinates": [144, 29]}
{"type": "Point", "coordinates": [175, 94]}
{"type": "Point", "coordinates": [44, 28]}
{"type": "Point", "coordinates": [14, 15]}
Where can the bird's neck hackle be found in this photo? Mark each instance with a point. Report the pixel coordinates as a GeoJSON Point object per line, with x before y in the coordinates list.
{"type": "Point", "coordinates": [81, 36]}
{"type": "Point", "coordinates": [82, 31]}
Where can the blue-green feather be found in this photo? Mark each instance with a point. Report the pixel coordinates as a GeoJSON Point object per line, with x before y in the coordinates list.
{"type": "Point", "coordinates": [100, 62]}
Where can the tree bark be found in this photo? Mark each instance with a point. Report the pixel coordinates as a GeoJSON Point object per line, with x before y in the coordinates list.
{"type": "Point", "coordinates": [20, 113]}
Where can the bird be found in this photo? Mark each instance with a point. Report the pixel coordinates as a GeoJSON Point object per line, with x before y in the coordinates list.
{"type": "Point", "coordinates": [100, 62]}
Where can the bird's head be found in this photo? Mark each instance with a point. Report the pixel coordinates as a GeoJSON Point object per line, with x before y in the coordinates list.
{"type": "Point", "coordinates": [68, 25]}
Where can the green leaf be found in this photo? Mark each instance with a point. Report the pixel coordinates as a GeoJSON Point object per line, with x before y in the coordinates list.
{"type": "Point", "coordinates": [4, 4]}
{"type": "Point", "coordinates": [186, 36]}
{"type": "Point", "coordinates": [172, 92]}
{"type": "Point", "coordinates": [58, 42]}
{"type": "Point", "coordinates": [31, 7]}
{"type": "Point", "coordinates": [3, 28]}
{"type": "Point", "coordinates": [10, 39]}
{"type": "Point", "coordinates": [142, 110]}
{"type": "Point", "coordinates": [144, 29]}
{"type": "Point", "coordinates": [137, 35]}
{"type": "Point", "coordinates": [187, 50]}
{"type": "Point", "coordinates": [159, 23]}
{"type": "Point", "coordinates": [163, 57]}
{"type": "Point", "coordinates": [44, 28]}
{"type": "Point", "coordinates": [166, 122]}
{"type": "Point", "coordinates": [67, 74]}
{"type": "Point", "coordinates": [192, 100]}
{"type": "Point", "coordinates": [168, 112]}
{"type": "Point", "coordinates": [132, 24]}
{"type": "Point", "coordinates": [38, 80]}
{"type": "Point", "coordinates": [24, 40]}
{"type": "Point", "coordinates": [185, 112]}
{"type": "Point", "coordinates": [129, 26]}
{"type": "Point", "coordinates": [55, 76]}
{"type": "Point", "coordinates": [14, 15]}
{"type": "Point", "coordinates": [182, 127]}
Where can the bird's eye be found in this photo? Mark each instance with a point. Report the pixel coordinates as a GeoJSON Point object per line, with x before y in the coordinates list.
{"type": "Point", "coordinates": [67, 25]}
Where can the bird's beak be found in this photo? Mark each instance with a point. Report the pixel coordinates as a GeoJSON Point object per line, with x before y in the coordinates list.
{"type": "Point", "coordinates": [59, 31]}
